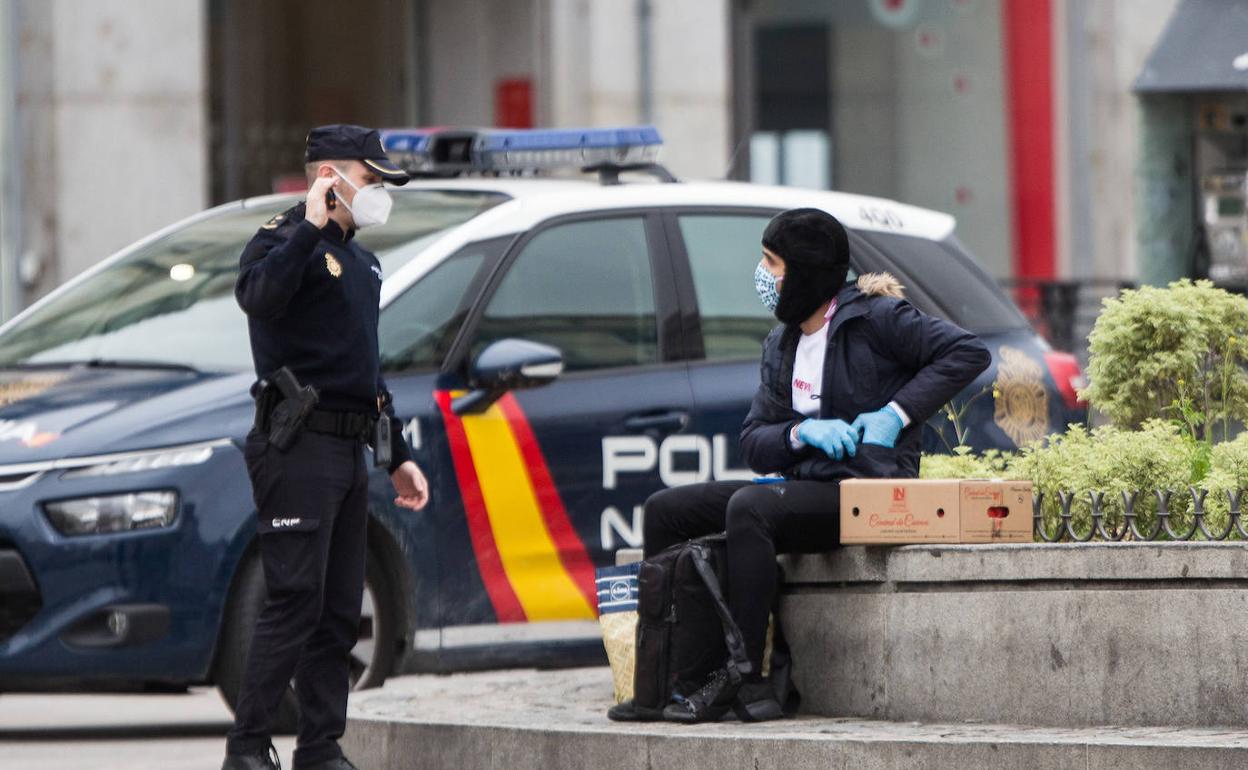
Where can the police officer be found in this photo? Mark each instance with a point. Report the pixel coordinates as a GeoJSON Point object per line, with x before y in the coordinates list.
{"type": "Point", "coordinates": [311, 296]}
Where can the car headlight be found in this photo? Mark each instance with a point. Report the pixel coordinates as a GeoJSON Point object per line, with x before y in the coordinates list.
{"type": "Point", "coordinates": [134, 462]}
{"type": "Point", "coordinates": [112, 513]}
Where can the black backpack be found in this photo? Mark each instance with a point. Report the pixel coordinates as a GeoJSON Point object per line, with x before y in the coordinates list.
{"type": "Point", "coordinates": [685, 630]}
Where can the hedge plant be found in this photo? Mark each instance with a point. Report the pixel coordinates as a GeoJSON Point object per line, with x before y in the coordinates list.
{"type": "Point", "coordinates": [1175, 353]}
{"type": "Point", "coordinates": [1169, 368]}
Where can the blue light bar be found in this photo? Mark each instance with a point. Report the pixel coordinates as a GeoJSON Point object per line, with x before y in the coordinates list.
{"type": "Point", "coordinates": [411, 148]}
{"type": "Point", "coordinates": [449, 151]}
{"type": "Point", "coordinates": [407, 141]}
{"type": "Point", "coordinates": [522, 150]}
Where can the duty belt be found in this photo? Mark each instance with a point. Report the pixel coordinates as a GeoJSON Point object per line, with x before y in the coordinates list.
{"type": "Point", "coordinates": [356, 425]}
{"type": "Point", "coordinates": [346, 424]}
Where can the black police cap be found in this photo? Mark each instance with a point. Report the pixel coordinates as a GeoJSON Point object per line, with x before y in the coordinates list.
{"type": "Point", "coordinates": [346, 142]}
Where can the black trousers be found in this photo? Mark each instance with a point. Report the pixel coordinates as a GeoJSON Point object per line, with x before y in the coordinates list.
{"type": "Point", "coordinates": [312, 503]}
{"type": "Point", "coordinates": [761, 520]}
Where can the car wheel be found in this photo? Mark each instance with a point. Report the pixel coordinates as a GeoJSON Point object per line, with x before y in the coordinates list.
{"type": "Point", "coordinates": [371, 659]}
{"type": "Point", "coordinates": [239, 625]}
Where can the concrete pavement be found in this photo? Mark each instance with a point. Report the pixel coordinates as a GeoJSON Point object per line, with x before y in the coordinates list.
{"type": "Point", "coordinates": [515, 720]}
{"type": "Point", "coordinates": [116, 732]}
{"type": "Point", "coordinates": [550, 720]}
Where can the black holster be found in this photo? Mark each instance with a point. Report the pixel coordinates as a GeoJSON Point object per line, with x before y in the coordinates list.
{"type": "Point", "coordinates": [266, 398]}
{"type": "Point", "coordinates": [283, 407]}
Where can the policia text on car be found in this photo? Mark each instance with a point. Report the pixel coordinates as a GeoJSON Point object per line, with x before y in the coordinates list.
{"type": "Point", "coordinates": [311, 296]}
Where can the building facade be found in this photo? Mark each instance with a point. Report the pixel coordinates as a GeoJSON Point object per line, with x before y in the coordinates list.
{"type": "Point", "coordinates": [1017, 116]}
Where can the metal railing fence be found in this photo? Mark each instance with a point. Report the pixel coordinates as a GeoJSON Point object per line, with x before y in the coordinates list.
{"type": "Point", "coordinates": [1132, 523]}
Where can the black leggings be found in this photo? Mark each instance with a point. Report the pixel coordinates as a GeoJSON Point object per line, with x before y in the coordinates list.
{"type": "Point", "coordinates": [761, 520]}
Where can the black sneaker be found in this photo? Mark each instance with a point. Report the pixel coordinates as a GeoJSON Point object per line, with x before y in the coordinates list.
{"type": "Point", "coordinates": [263, 759]}
{"type": "Point", "coordinates": [711, 701]}
{"type": "Point", "coordinates": [756, 702]}
{"type": "Point", "coordinates": [631, 712]}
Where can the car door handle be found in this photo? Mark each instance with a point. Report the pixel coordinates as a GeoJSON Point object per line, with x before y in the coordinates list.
{"type": "Point", "coordinates": [664, 422]}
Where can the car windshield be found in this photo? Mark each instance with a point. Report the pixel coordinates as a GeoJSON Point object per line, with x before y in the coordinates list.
{"type": "Point", "coordinates": [943, 279]}
{"type": "Point", "coordinates": [171, 302]}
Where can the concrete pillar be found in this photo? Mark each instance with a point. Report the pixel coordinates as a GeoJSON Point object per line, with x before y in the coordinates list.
{"type": "Point", "coordinates": [1113, 39]}
{"type": "Point", "coordinates": [112, 120]}
{"type": "Point", "coordinates": [471, 45]}
{"type": "Point", "coordinates": [595, 74]}
{"type": "Point", "coordinates": [10, 180]}
{"type": "Point", "coordinates": [692, 89]}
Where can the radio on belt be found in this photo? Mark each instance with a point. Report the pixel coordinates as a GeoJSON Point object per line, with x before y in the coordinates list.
{"type": "Point", "coordinates": [381, 442]}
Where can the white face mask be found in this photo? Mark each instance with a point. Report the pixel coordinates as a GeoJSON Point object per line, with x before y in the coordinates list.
{"type": "Point", "coordinates": [371, 204]}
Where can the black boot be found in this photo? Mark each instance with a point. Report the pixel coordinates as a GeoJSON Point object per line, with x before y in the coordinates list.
{"type": "Point", "coordinates": [262, 759]}
{"type": "Point", "coordinates": [628, 711]}
{"type": "Point", "coordinates": [711, 701]}
{"type": "Point", "coordinates": [756, 702]}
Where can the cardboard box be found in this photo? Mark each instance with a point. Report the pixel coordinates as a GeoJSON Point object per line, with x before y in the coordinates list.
{"type": "Point", "coordinates": [896, 511]}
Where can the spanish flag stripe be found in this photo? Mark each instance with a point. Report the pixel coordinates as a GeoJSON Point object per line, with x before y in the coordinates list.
{"type": "Point", "coordinates": [525, 546]}
{"type": "Point", "coordinates": [571, 550]}
{"type": "Point", "coordinates": [507, 605]}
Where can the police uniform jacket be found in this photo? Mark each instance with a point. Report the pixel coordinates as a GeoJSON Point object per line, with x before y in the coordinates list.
{"type": "Point", "coordinates": [311, 297]}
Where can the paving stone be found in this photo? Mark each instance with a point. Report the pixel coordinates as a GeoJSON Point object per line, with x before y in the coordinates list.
{"type": "Point", "coordinates": [548, 720]}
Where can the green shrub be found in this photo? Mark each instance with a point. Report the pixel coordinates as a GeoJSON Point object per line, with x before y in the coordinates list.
{"type": "Point", "coordinates": [965, 464]}
{"type": "Point", "coordinates": [1111, 461]}
{"type": "Point", "coordinates": [1169, 367]}
{"type": "Point", "coordinates": [1228, 471]}
{"type": "Point", "coordinates": [1177, 352]}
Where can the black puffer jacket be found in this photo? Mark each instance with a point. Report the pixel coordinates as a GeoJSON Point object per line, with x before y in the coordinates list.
{"type": "Point", "coordinates": [880, 349]}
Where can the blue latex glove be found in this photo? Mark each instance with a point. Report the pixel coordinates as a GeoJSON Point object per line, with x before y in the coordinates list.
{"type": "Point", "coordinates": [835, 437]}
{"type": "Point", "coordinates": [880, 428]}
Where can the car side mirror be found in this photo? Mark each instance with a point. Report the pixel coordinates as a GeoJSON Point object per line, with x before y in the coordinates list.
{"type": "Point", "coordinates": [510, 364]}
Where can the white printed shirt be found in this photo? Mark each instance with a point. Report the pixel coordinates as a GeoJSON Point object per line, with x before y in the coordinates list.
{"type": "Point", "coordinates": [808, 376]}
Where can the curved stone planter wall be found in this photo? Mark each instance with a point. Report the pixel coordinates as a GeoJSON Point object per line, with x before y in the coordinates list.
{"type": "Point", "coordinates": [1039, 634]}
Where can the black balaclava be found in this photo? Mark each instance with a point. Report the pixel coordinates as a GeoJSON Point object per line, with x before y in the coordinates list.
{"type": "Point", "coordinates": [815, 250]}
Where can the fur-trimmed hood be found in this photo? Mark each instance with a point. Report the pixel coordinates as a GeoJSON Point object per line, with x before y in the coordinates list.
{"type": "Point", "coordinates": [881, 284]}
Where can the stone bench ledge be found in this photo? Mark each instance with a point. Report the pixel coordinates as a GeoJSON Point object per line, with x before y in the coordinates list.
{"type": "Point", "coordinates": [1021, 562]}
{"type": "Point", "coordinates": [1043, 634]}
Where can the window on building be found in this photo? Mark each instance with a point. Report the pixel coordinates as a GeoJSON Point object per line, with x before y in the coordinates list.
{"type": "Point", "coordinates": [791, 144]}
{"type": "Point", "coordinates": [910, 100]}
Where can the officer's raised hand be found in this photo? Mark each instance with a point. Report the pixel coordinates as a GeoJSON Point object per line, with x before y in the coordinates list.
{"type": "Point", "coordinates": [411, 485]}
{"type": "Point", "coordinates": [316, 210]}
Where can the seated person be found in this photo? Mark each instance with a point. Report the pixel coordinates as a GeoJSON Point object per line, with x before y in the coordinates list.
{"type": "Point", "coordinates": [848, 379]}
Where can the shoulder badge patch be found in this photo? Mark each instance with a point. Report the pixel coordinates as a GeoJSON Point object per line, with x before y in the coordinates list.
{"type": "Point", "coordinates": [273, 223]}
{"type": "Point", "coordinates": [332, 265]}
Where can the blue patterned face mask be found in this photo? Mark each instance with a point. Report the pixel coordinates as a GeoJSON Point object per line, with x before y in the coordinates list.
{"type": "Point", "coordinates": [765, 285]}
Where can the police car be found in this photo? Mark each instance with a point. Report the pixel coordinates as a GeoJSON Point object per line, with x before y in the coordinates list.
{"type": "Point", "coordinates": [558, 349]}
